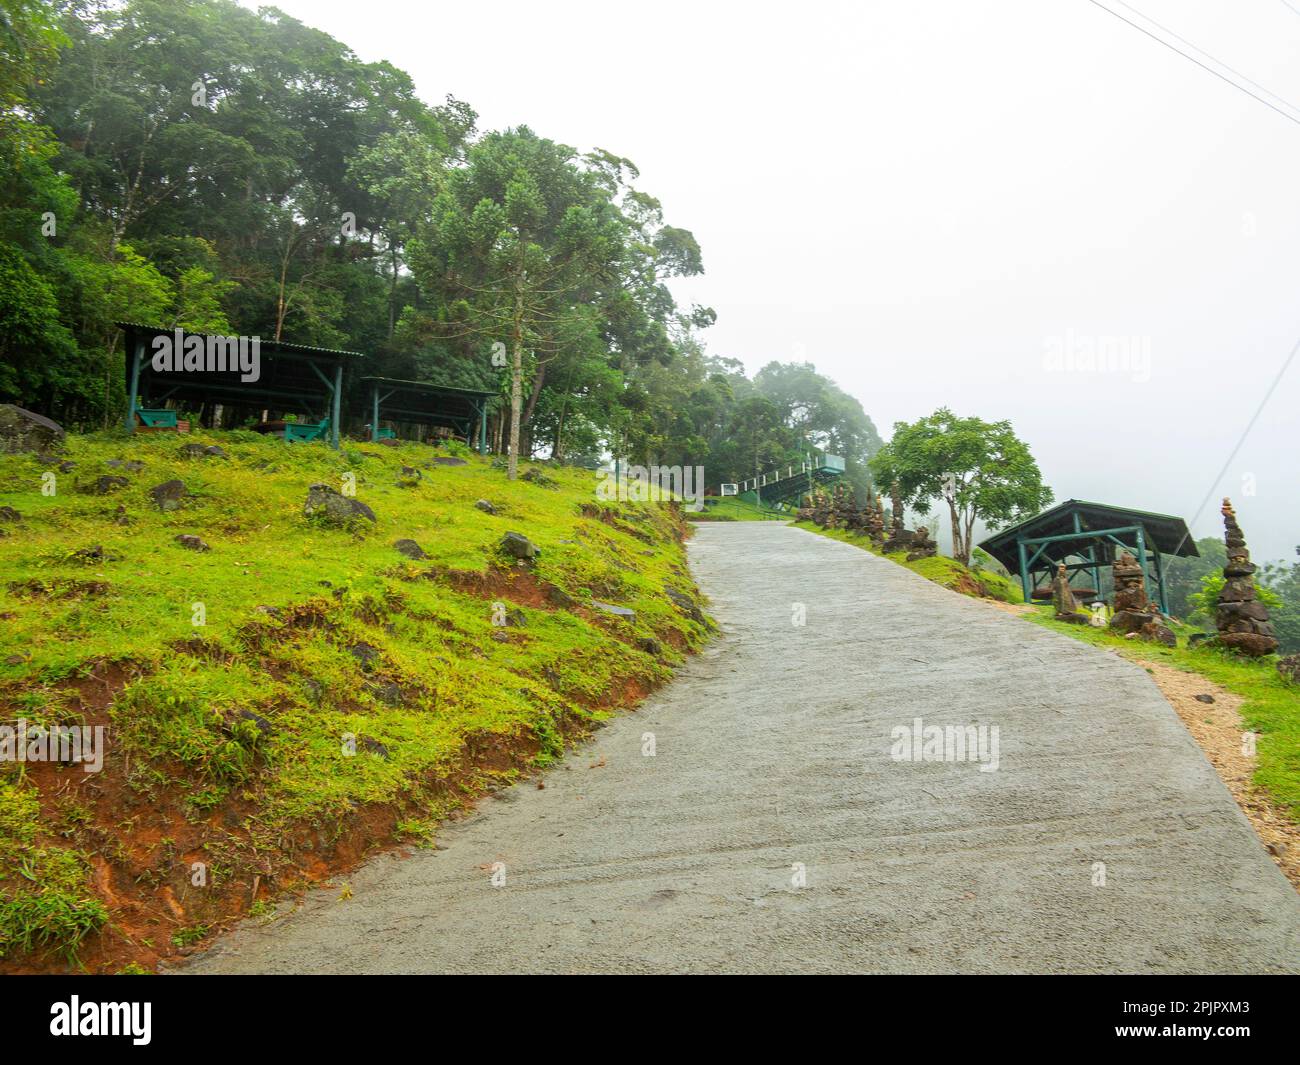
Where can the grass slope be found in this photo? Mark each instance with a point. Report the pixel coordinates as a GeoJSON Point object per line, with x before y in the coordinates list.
{"type": "Point", "coordinates": [299, 693]}
{"type": "Point", "coordinates": [733, 509]}
{"type": "Point", "coordinates": [938, 568]}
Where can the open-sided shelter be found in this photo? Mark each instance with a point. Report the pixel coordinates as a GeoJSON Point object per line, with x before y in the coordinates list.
{"type": "Point", "coordinates": [1087, 537]}
{"type": "Point", "coordinates": [174, 364]}
{"type": "Point", "coordinates": [463, 410]}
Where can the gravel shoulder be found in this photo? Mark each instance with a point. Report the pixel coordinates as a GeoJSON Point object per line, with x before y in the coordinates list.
{"type": "Point", "coordinates": [774, 766]}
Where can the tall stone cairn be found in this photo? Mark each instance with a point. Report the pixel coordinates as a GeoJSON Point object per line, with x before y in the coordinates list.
{"type": "Point", "coordinates": [1132, 607]}
{"type": "Point", "coordinates": [1063, 598]}
{"type": "Point", "coordinates": [899, 538]}
{"type": "Point", "coordinates": [1241, 619]}
{"type": "Point", "coordinates": [876, 520]}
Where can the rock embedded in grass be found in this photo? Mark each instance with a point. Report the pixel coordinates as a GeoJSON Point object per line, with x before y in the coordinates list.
{"type": "Point", "coordinates": [373, 746]}
{"type": "Point", "coordinates": [9, 514]}
{"type": "Point", "coordinates": [517, 545]}
{"type": "Point", "coordinates": [192, 542]}
{"type": "Point", "coordinates": [170, 495]}
{"type": "Point", "coordinates": [485, 506]}
{"type": "Point", "coordinates": [333, 507]}
{"type": "Point", "coordinates": [617, 611]}
{"type": "Point", "coordinates": [535, 476]}
{"type": "Point", "coordinates": [409, 477]}
{"type": "Point", "coordinates": [686, 605]}
{"type": "Point", "coordinates": [410, 549]}
{"type": "Point", "coordinates": [198, 451]}
{"type": "Point", "coordinates": [103, 486]}
{"type": "Point", "coordinates": [448, 460]}
{"type": "Point", "coordinates": [557, 596]}
{"type": "Point", "coordinates": [131, 466]}
{"type": "Point", "coordinates": [25, 430]}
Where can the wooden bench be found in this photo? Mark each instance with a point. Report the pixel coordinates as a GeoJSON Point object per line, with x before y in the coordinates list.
{"type": "Point", "coordinates": [306, 430]}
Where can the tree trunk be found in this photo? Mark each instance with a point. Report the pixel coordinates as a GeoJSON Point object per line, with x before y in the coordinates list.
{"type": "Point", "coordinates": [958, 552]}
{"type": "Point", "coordinates": [516, 382]}
{"type": "Point", "coordinates": [392, 297]}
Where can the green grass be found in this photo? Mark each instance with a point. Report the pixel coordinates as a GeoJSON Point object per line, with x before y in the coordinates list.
{"type": "Point", "coordinates": [968, 580]}
{"type": "Point", "coordinates": [1270, 707]}
{"type": "Point", "coordinates": [732, 508]}
{"type": "Point", "coordinates": [244, 721]}
{"type": "Point", "coordinates": [44, 901]}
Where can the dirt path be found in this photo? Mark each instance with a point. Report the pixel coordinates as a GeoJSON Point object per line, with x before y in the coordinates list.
{"type": "Point", "coordinates": [773, 758]}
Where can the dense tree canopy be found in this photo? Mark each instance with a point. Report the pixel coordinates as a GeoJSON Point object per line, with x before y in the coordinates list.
{"type": "Point", "coordinates": [195, 163]}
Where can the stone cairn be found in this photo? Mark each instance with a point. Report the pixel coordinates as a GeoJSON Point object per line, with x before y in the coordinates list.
{"type": "Point", "coordinates": [843, 507]}
{"type": "Point", "coordinates": [922, 546]}
{"type": "Point", "coordinates": [839, 509]}
{"type": "Point", "coordinates": [899, 538]}
{"type": "Point", "coordinates": [1241, 619]}
{"type": "Point", "coordinates": [1063, 598]}
{"type": "Point", "coordinates": [1135, 615]}
{"type": "Point", "coordinates": [876, 521]}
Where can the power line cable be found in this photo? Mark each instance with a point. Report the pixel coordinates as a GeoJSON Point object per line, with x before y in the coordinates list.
{"type": "Point", "coordinates": [1202, 51]}
{"type": "Point", "coordinates": [1191, 58]}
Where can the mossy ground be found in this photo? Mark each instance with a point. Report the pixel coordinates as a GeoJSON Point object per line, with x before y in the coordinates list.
{"type": "Point", "coordinates": [234, 684]}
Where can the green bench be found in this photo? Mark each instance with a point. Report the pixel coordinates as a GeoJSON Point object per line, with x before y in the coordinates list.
{"type": "Point", "coordinates": [157, 419]}
{"type": "Point", "coordinates": [306, 430]}
{"type": "Point", "coordinates": [386, 434]}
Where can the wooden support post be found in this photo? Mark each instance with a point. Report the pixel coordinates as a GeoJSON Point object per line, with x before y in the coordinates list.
{"type": "Point", "coordinates": [1142, 559]}
{"type": "Point", "coordinates": [337, 407]}
{"type": "Point", "coordinates": [374, 412]}
{"type": "Point", "coordinates": [133, 403]}
{"type": "Point", "coordinates": [1160, 581]}
{"type": "Point", "coordinates": [1024, 572]}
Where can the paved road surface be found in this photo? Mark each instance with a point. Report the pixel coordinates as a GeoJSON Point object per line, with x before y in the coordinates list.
{"type": "Point", "coordinates": [774, 753]}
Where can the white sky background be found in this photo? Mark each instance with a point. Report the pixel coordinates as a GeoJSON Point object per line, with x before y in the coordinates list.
{"type": "Point", "coordinates": [917, 197]}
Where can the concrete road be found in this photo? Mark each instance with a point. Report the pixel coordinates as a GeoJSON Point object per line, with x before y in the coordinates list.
{"type": "Point", "coordinates": [780, 827]}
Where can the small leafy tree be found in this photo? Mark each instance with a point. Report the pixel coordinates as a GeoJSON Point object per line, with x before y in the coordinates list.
{"type": "Point", "coordinates": [1203, 602]}
{"type": "Point", "coordinates": [981, 469]}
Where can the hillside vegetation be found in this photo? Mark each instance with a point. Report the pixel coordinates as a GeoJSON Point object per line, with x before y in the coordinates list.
{"type": "Point", "coordinates": [299, 692]}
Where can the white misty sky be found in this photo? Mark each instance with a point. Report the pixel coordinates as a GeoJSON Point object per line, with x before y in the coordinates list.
{"type": "Point", "coordinates": [918, 198]}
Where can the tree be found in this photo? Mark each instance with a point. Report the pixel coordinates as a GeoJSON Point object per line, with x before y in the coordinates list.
{"type": "Point", "coordinates": [981, 469]}
{"type": "Point", "coordinates": [820, 412]}
{"type": "Point", "coordinates": [522, 236]}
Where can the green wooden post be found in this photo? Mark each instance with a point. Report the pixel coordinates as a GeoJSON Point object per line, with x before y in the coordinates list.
{"type": "Point", "coordinates": [135, 386]}
{"type": "Point", "coordinates": [337, 407]}
{"type": "Point", "coordinates": [482, 427]}
{"type": "Point", "coordinates": [1142, 558]}
{"type": "Point", "coordinates": [374, 411]}
{"type": "Point", "coordinates": [1024, 572]}
{"type": "Point", "coordinates": [1160, 581]}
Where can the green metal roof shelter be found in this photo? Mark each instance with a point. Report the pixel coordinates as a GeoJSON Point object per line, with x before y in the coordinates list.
{"type": "Point", "coordinates": [290, 376]}
{"type": "Point", "coordinates": [462, 409]}
{"type": "Point", "coordinates": [1088, 536]}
